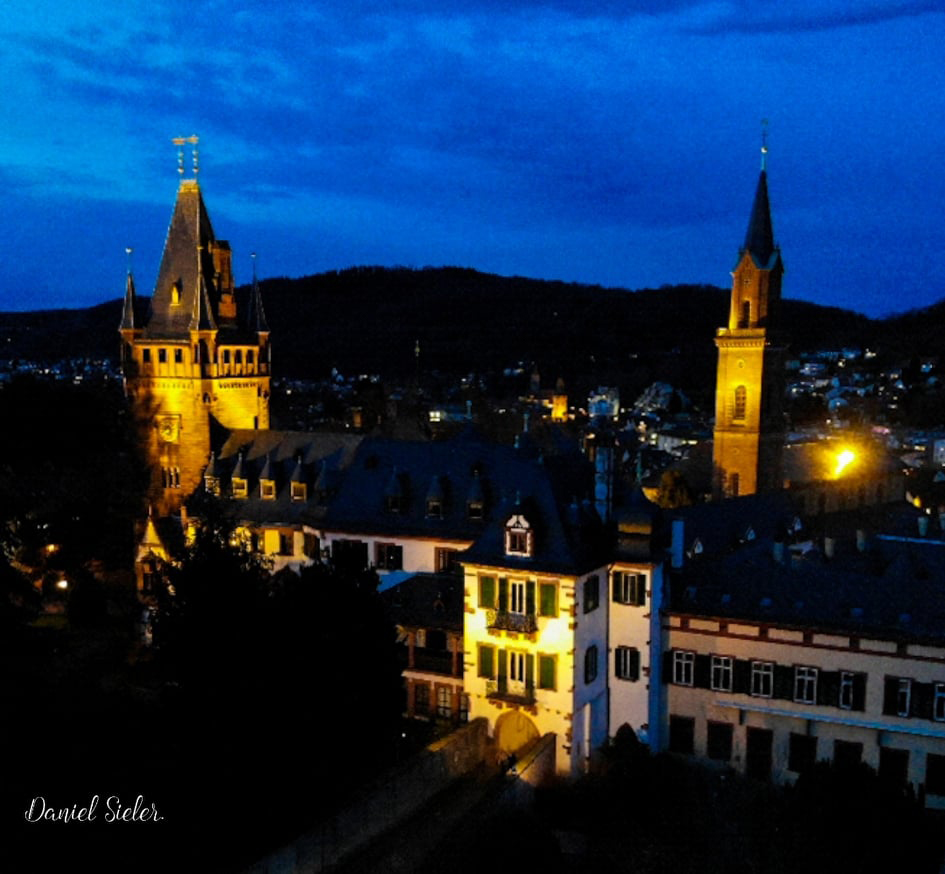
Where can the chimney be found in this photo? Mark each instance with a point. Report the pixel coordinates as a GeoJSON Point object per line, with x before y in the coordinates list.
{"type": "Point", "coordinates": [860, 540]}
{"type": "Point", "coordinates": [829, 545]}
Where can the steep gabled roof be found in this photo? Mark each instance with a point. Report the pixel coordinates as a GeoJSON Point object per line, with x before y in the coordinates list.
{"type": "Point", "coordinates": [128, 309]}
{"type": "Point", "coordinates": [186, 260]}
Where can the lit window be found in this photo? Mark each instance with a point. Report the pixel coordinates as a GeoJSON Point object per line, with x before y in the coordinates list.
{"type": "Point", "coordinates": [474, 509]}
{"type": "Point", "coordinates": [741, 396]}
{"type": "Point", "coordinates": [518, 537]}
{"type": "Point", "coordinates": [683, 667]}
{"type": "Point", "coordinates": [444, 559]}
{"type": "Point", "coordinates": [267, 489]}
{"type": "Point", "coordinates": [212, 484]}
{"type": "Point", "coordinates": [629, 587]}
{"type": "Point", "coordinates": [721, 673]}
{"type": "Point", "coordinates": [762, 679]}
{"type": "Point", "coordinates": [299, 491]}
{"type": "Point", "coordinates": [240, 487]}
{"type": "Point", "coordinates": [627, 663]}
{"type": "Point", "coordinates": [805, 685]}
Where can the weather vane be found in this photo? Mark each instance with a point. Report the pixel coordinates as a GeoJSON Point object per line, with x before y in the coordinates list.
{"type": "Point", "coordinates": [180, 142]}
{"type": "Point", "coordinates": [764, 142]}
{"type": "Point", "coordinates": [128, 252]}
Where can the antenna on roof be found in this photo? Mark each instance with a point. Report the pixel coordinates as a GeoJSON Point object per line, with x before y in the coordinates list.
{"type": "Point", "coordinates": [764, 143]}
{"type": "Point", "coordinates": [180, 142]}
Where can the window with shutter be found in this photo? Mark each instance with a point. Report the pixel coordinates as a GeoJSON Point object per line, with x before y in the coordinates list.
{"type": "Point", "coordinates": [486, 661]}
{"type": "Point", "coordinates": [548, 599]}
{"type": "Point", "coordinates": [546, 672]}
{"type": "Point", "coordinates": [627, 663]}
{"type": "Point", "coordinates": [487, 592]}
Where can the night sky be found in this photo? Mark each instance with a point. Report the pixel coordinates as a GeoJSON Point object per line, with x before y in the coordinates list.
{"type": "Point", "coordinates": [611, 142]}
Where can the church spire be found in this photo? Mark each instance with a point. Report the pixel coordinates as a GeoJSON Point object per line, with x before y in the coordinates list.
{"type": "Point", "coordinates": [759, 239]}
{"type": "Point", "coordinates": [256, 317]}
{"type": "Point", "coordinates": [128, 310]}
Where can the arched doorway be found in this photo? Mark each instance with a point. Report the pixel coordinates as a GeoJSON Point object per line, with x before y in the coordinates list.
{"type": "Point", "coordinates": [513, 732]}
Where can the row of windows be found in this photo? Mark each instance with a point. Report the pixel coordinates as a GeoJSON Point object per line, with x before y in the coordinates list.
{"type": "Point", "coordinates": [801, 683]}
{"type": "Point", "coordinates": [627, 587]}
{"type": "Point", "coordinates": [444, 702]}
{"type": "Point", "coordinates": [434, 507]}
{"type": "Point", "coordinates": [804, 751]}
{"type": "Point", "coordinates": [903, 696]}
{"type": "Point", "coordinates": [518, 596]}
{"type": "Point", "coordinates": [162, 355]}
{"type": "Point", "coordinates": [518, 667]}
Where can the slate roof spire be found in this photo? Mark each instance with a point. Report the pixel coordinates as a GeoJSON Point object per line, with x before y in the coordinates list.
{"type": "Point", "coordinates": [128, 310]}
{"type": "Point", "coordinates": [759, 239]}
{"type": "Point", "coordinates": [256, 317]}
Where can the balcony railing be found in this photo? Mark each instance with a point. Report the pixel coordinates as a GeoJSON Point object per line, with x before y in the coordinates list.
{"type": "Point", "coordinates": [514, 693]}
{"type": "Point", "coordinates": [435, 662]}
{"type": "Point", "coordinates": [522, 622]}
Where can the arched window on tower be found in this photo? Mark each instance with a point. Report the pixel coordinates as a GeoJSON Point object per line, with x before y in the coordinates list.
{"type": "Point", "coordinates": [745, 320]}
{"type": "Point", "coordinates": [741, 398]}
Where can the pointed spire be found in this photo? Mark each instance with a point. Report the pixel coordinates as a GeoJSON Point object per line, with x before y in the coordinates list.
{"type": "Point", "coordinates": [128, 310]}
{"type": "Point", "coordinates": [202, 319]}
{"type": "Point", "coordinates": [256, 316]}
{"type": "Point", "coordinates": [759, 239]}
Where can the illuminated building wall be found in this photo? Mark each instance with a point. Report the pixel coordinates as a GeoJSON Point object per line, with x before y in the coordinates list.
{"type": "Point", "coordinates": [749, 423]}
{"type": "Point", "coordinates": [199, 354]}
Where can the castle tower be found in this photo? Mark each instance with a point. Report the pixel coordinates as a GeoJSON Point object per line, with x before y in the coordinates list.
{"type": "Point", "coordinates": [749, 421]}
{"type": "Point", "coordinates": [199, 356]}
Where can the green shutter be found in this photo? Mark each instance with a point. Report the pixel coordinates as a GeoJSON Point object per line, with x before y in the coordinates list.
{"type": "Point", "coordinates": [487, 592]}
{"type": "Point", "coordinates": [529, 671]}
{"type": "Point", "coordinates": [634, 663]}
{"type": "Point", "coordinates": [546, 672]}
{"type": "Point", "coordinates": [503, 664]}
{"type": "Point", "coordinates": [641, 589]}
{"type": "Point", "coordinates": [503, 595]}
{"type": "Point", "coordinates": [547, 596]}
{"type": "Point", "coordinates": [530, 598]}
{"type": "Point", "coordinates": [615, 586]}
{"type": "Point", "coordinates": [486, 667]}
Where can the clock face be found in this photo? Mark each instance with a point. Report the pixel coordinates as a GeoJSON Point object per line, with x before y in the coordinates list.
{"type": "Point", "coordinates": [168, 428]}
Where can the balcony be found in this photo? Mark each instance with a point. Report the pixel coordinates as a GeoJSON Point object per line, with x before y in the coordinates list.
{"type": "Point", "coordinates": [514, 693]}
{"type": "Point", "coordinates": [525, 623]}
{"type": "Point", "coordinates": [436, 662]}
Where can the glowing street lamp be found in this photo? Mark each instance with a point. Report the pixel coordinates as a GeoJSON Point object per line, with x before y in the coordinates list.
{"type": "Point", "coordinates": [844, 459]}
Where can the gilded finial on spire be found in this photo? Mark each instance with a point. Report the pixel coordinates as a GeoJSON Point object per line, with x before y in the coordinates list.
{"type": "Point", "coordinates": [253, 256]}
{"type": "Point", "coordinates": [180, 142]}
{"type": "Point", "coordinates": [129, 251]}
{"type": "Point", "coordinates": [764, 143]}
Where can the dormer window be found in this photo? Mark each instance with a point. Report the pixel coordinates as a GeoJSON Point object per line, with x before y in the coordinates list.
{"type": "Point", "coordinates": [474, 509]}
{"type": "Point", "coordinates": [212, 484]}
{"type": "Point", "coordinates": [267, 489]}
{"type": "Point", "coordinates": [240, 487]}
{"type": "Point", "coordinates": [175, 294]}
{"type": "Point", "coordinates": [519, 539]}
{"type": "Point", "coordinates": [434, 508]}
{"type": "Point", "coordinates": [299, 492]}
{"type": "Point", "coordinates": [394, 503]}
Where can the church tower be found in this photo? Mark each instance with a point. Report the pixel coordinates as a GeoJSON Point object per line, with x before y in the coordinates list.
{"type": "Point", "coordinates": [199, 356]}
{"type": "Point", "coordinates": [748, 439]}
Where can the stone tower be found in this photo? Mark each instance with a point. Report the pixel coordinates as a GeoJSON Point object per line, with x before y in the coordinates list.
{"type": "Point", "coordinates": [749, 422]}
{"type": "Point", "coordinates": [198, 357]}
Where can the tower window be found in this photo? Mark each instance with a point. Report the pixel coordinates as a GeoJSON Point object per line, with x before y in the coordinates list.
{"type": "Point", "coordinates": [178, 356]}
{"type": "Point", "coordinates": [146, 355]}
{"type": "Point", "coordinates": [741, 398]}
{"type": "Point", "coordinates": [746, 314]}
{"type": "Point", "coordinates": [250, 356]}
{"type": "Point", "coordinates": [162, 356]}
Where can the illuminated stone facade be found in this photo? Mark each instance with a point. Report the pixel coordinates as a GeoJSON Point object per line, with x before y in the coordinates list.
{"type": "Point", "coordinates": [199, 355]}
{"type": "Point", "coordinates": [749, 422]}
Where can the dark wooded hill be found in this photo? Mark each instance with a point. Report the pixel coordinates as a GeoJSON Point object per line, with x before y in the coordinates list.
{"type": "Point", "coordinates": [368, 320]}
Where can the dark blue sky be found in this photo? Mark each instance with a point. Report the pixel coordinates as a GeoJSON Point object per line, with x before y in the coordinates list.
{"type": "Point", "coordinates": [612, 142]}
